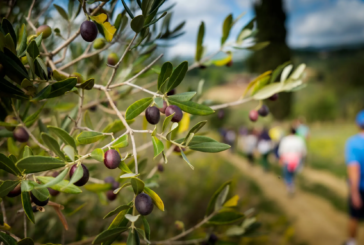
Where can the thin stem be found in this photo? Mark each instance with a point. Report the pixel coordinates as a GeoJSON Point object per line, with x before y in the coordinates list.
{"type": "Point", "coordinates": [143, 89]}
{"type": "Point", "coordinates": [159, 135]}
{"type": "Point", "coordinates": [138, 74]}
{"type": "Point", "coordinates": [30, 9]}
{"type": "Point", "coordinates": [134, 151]}
{"type": "Point", "coordinates": [111, 102]}
{"type": "Point", "coordinates": [155, 168]}
{"type": "Point", "coordinates": [11, 6]}
{"type": "Point", "coordinates": [3, 211]}
{"type": "Point", "coordinates": [25, 225]}
{"type": "Point", "coordinates": [120, 60]}
{"type": "Point", "coordinates": [84, 56]}
{"type": "Point", "coordinates": [234, 103]}
{"type": "Point", "coordinates": [196, 64]}
{"type": "Point", "coordinates": [185, 233]}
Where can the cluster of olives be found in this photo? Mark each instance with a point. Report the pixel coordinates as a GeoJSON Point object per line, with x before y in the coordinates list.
{"type": "Point", "coordinates": [111, 196]}
{"type": "Point", "coordinates": [17, 191]}
{"type": "Point", "coordinates": [152, 114]}
{"type": "Point", "coordinates": [263, 110]}
{"type": "Point", "coordinates": [19, 133]}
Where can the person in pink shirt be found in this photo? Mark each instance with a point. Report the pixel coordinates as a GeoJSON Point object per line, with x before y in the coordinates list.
{"type": "Point", "coordinates": [292, 150]}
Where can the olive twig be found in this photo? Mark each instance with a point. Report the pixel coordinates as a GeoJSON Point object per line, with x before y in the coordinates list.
{"type": "Point", "coordinates": [234, 103]}
{"type": "Point", "coordinates": [184, 233]}
{"type": "Point", "coordinates": [120, 60]}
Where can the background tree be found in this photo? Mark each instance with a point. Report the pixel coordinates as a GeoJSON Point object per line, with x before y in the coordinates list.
{"type": "Point", "coordinates": [271, 19]}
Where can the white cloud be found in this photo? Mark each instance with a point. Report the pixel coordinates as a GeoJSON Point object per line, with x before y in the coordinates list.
{"type": "Point", "coordinates": [213, 13]}
{"type": "Point", "coordinates": [339, 23]}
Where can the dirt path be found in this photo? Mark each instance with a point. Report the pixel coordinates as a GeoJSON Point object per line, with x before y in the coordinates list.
{"type": "Point", "coordinates": [339, 186]}
{"type": "Point", "coordinates": [315, 220]}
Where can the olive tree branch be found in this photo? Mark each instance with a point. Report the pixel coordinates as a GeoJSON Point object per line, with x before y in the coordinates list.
{"type": "Point", "coordinates": [159, 135]}
{"type": "Point", "coordinates": [234, 103]}
{"type": "Point", "coordinates": [138, 74]}
{"type": "Point", "coordinates": [185, 233]}
{"type": "Point", "coordinates": [84, 56]}
{"type": "Point", "coordinates": [3, 211]}
{"type": "Point", "coordinates": [30, 9]}
{"type": "Point", "coordinates": [27, 130]}
{"type": "Point", "coordinates": [65, 50]}
{"type": "Point", "coordinates": [155, 168]}
{"type": "Point", "coordinates": [120, 60]}
{"type": "Point", "coordinates": [11, 6]}
{"type": "Point", "coordinates": [25, 225]}
{"type": "Point", "coordinates": [128, 129]}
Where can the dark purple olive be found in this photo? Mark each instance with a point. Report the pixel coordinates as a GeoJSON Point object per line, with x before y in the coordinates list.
{"type": "Point", "coordinates": [160, 168]}
{"type": "Point", "coordinates": [152, 114]}
{"type": "Point", "coordinates": [53, 192]}
{"type": "Point", "coordinates": [112, 159]}
{"type": "Point", "coordinates": [163, 110]}
{"type": "Point", "coordinates": [202, 67]}
{"type": "Point", "coordinates": [2, 71]}
{"type": "Point", "coordinates": [84, 178]}
{"type": "Point", "coordinates": [110, 195]}
{"type": "Point", "coordinates": [35, 209]}
{"type": "Point", "coordinates": [230, 63]}
{"type": "Point", "coordinates": [177, 149]}
{"type": "Point", "coordinates": [274, 97]}
{"type": "Point", "coordinates": [89, 31]}
{"type": "Point", "coordinates": [20, 135]}
{"type": "Point", "coordinates": [172, 92]}
{"type": "Point", "coordinates": [93, 108]}
{"type": "Point", "coordinates": [50, 73]}
{"type": "Point", "coordinates": [253, 115]}
{"type": "Point", "coordinates": [220, 114]}
{"type": "Point", "coordinates": [144, 204]}
{"type": "Point", "coordinates": [178, 114]}
{"type": "Point", "coordinates": [15, 192]}
{"type": "Point", "coordinates": [113, 182]}
{"type": "Point", "coordinates": [212, 239]}
{"type": "Point", "coordinates": [37, 201]}
{"type": "Point", "coordinates": [263, 111]}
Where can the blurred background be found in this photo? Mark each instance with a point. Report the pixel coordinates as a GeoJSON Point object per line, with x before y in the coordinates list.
{"type": "Point", "coordinates": [326, 35]}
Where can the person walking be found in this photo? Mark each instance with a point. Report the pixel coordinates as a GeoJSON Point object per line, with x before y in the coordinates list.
{"type": "Point", "coordinates": [248, 144]}
{"type": "Point", "coordinates": [291, 151]}
{"type": "Point", "coordinates": [265, 147]}
{"type": "Point", "coordinates": [354, 157]}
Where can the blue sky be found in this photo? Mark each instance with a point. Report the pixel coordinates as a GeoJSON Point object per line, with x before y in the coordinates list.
{"type": "Point", "coordinates": [310, 23]}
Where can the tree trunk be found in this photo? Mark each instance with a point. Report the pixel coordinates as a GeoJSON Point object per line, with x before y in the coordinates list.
{"type": "Point", "coordinates": [271, 25]}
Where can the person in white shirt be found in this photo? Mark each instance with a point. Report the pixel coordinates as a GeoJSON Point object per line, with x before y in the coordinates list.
{"type": "Point", "coordinates": [291, 151]}
{"type": "Point", "coordinates": [248, 144]}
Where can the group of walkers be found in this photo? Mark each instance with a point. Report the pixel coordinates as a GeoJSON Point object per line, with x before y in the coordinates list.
{"type": "Point", "coordinates": [288, 148]}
